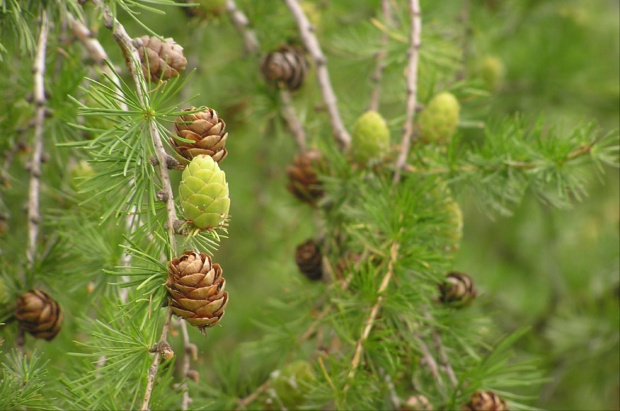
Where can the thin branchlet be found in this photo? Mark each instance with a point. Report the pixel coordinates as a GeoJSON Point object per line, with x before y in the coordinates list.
{"type": "Point", "coordinates": [242, 24]}
{"type": "Point", "coordinates": [133, 62]}
{"type": "Point", "coordinates": [386, 11]}
{"type": "Point", "coordinates": [37, 151]}
{"type": "Point", "coordinates": [306, 32]}
{"type": "Point", "coordinates": [415, 41]}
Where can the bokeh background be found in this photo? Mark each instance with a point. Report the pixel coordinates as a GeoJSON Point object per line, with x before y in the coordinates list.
{"type": "Point", "coordinates": [555, 270]}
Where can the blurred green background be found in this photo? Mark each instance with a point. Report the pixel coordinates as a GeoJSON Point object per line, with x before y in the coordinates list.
{"type": "Point", "coordinates": [556, 270]}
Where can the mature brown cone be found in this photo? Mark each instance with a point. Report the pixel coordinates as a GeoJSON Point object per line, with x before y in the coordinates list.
{"type": "Point", "coordinates": [287, 66]}
{"type": "Point", "coordinates": [206, 131]}
{"type": "Point", "coordinates": [485, 401]}
{"type": "Point", "coordinates": [160, 59]}
{"type": "Point", "coordinates": [197, 289]}
{"type": "Point", "coordinates": [39, 314]}
{"type": "Point", "coordinates": [309, 260]}
{"type": "Point", "coordinates": [304, 181]}
{"type": "Point", "coordinates": [458, 289]}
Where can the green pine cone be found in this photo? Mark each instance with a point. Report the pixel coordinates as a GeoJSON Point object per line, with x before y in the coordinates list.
{"type": "Point", "coordinates": [455, 220]}
{"type": "Point", "coordinates": [291, 383]}
{"type": "Point", "coordinates": [440, 119]}
{"type": "Point", "coordinates": [492, 72]}
{"type": "Point", "coordinates": [371, 137]}
{"type": "Point", "coordinates": [204, 193]}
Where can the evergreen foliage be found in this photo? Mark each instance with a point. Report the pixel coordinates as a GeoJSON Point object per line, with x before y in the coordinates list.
{"type": "Point", "coordinates": [530, 173]}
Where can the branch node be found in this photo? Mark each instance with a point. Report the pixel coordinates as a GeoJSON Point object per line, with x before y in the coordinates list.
{"type": "Point", "coordinates": [162, 196]}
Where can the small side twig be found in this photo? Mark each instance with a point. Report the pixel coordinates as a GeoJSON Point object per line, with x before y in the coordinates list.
{"type": "Point", "coordinates": [189, 353]}
{"type": "Point", "coordinates": [412, 86]}
{"type": "Point", "coordinates": [241, 22]}
{"type": "Point", "coordinates": [370, 321]}
{"type": "Point", "coordinates": [130, 53]}
{"type": "Point", "coordinates": [159, 353]}
{"type": "Point", "coordinates": [243, 403]}
{"type": "Point", "coordinates": [306, 31]}
{"type": "Point", "coordinates": [378, 74]}
{"type": "Point", "coordinates": [96, 51]}
{"type": "Point", "coordinates": [292, 120]}
{"type": "Point", "coordinates": [429, 360]}
{"type": "Point", "coordinates": [35, 162]}
{"type": "Point", "coordinates": [443, 356]}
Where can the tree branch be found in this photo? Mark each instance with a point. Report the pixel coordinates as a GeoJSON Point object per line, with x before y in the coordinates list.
{"type": "Point", "coordinates": [370, 321]}
{"type": "Point", "coordinates": [241, 22]}
{"type": "Point", "coordinates": [306, 31]}
{"type": "Point", "coordinates": [190, 351]}
{"type": "Point", "coordinates": [38, 69]}
{"type": "Point", "coordinates": [162, 349]}
{"type": "Point", "coordinates": [133, 62]}
{"type": "Point", "coordinates": [376, 77]}
{"type": "Point", "coordinates": [292, 120]}
{"type": "Point", "coordinates": [96, 51]}
{"type": "Point", "coordinates": [243, 403]}
{"type": "Point", "coordinates": [415, 36]}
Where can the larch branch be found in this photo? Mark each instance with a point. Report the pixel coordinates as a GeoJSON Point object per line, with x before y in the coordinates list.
{"type": "Point", "coordinates": [242, 24]}
{"type": "Point", "coordinates": [38, 69]}
{"type": "Point", "coordinates": [96, 51]}
{"type": "Point", "coordinates": [415, 39]}
{"type": "Point", "coordinates": [133, 62]}
{"type": "Point", "coordinates": [378, 74]}
{"type": "Point", "coordinates": [306, 31]}
{"type": "Point", "coordinates": [370, 321]}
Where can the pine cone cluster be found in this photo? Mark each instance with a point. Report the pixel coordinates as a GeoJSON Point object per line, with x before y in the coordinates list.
{"type": "Point", "coordinates": [204, 193]}
{"type": "Point", "coordinates": [309, 260]}
{"type": "Point", "coordinates": [197, 289]}
{"type": "Point", "coordinates": [160, 59]}
{"type": "Point", "coordinates": [458, 289]}
{"type": "Point", "coordinates": [287, 66]}
{"type": "Point", "coordinates": [39, 314]}
{"type": "Point", "coordinates": [303, 179]}
{"type": "Point", "coordinates": [205, 130]}
{"type": "Point", "coordinates": [485, 401]}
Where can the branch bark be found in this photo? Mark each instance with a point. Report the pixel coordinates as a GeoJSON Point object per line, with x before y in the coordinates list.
{"type": "Point", "coordinates": [370, 321]}
{"type": "Point", "coordinates": [292, 120]}
{"type": "Point", "coordinates": [306, 31]}
{"type": "Point", "coordinates": [241, 22]}
{"type": "Point", "coordinates": [189, 352]}
{"type": "Point", "coordinates": [38, 69]}
{"type": "Point", "coordinates": [415, 36]}
{"type": "Point", "coordinates": [133, 62]}
{"type": "Point", "coordinates": [378, 74]}
{"type": "Point", "coordinates": [96, 51]}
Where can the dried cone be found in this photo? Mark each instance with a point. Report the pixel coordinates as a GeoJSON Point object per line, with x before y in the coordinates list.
{"type": "Point", "coordinates": [205, 130]}
{"type": "Point", "coordinates": [197, 289]}
{"type": "Point", "coordinates": [416, 403]}
{"type": "Point", "coordinates": [287, 66]}
{"type": "Point", "coordinates": [458, 289]}
{"type": "Point", "coordinates": [39, 314]}
{"type": "Point", "coordinates": [304, 181]}
{"type": "Point", "coordinates": [485, 401]}
{"type": "Point", "coordinates": [309, 260]}
{"type": "Point", "coordinates": [160, 59]}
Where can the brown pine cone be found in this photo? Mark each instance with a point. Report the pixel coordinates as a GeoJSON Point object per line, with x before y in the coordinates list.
{"type": "Point", "coordinates": [457, 290]}
{"type": "Point", "coordinates": [304, 181]}
{"type": "Point", "coordinates": [485, 401]}
{"type": "Point", "coordinates": [197, 289]}
{"type": "Point", "coordinates": [309, 260]}
{"type": "Point", "coordinates": [207, 132]}
{"type": "Point", "coordinates": [160, 59]}
{"type": "Point", "coordinates": [39, 314]}
{"type": "Point", "coordinates": [287, 66]}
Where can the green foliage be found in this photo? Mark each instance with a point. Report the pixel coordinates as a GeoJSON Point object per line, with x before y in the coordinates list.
{"type": "Point", "coordinates": [104, 245]}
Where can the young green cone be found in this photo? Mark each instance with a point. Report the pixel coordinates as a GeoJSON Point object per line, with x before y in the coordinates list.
{"type": "Point", "coordinates": [440, 119]}
{"type": "Point", "coordinates": [290, 383]}
{"type": "Point", "coordinates": [371, 137]}
{"type": "Point", "coordinates": [204, 193]}
{"type": "Point", "coordinates": [492, 72]}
